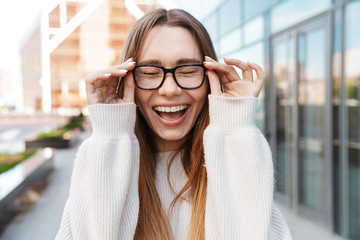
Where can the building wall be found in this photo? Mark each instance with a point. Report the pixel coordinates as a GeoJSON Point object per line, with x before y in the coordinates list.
{"type": "Point", "coordinates": [310, 106]}
{"type": "Point", "coordinates": [31, 70]}
{"type": "Point", "coordinates": [96, 44]}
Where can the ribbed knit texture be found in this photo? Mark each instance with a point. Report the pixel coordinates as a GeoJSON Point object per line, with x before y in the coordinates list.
{"type": "Point", "coordinates": [103, 202]}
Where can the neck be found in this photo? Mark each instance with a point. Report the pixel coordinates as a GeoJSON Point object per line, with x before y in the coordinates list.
{"type": "Point", "coordinates": [167, 146]}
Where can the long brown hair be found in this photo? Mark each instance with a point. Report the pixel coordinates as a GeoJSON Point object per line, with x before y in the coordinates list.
{"type": "Point", "coordinates": [152, 221]}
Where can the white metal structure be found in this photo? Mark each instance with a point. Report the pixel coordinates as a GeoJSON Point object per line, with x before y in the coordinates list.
{"type": "Point", "coordinates": [66, 27]}
{"type": "Point", "coordinates": [58, 36]}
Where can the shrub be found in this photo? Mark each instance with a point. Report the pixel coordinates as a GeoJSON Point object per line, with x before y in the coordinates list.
{"type": "Point", "coordinates": [74, 122]}
{"type": "Point", "coordinates": [8, 161]}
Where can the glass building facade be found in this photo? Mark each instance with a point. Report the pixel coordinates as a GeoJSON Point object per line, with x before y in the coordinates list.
{"type": "Point", "coordinates": [310, 108]}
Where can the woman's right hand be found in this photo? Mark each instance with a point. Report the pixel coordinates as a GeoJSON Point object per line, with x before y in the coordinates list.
{"type": "Point", "coordinates": [101, 87]}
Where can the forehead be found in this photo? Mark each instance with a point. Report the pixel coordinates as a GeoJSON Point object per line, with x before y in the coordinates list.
{"type": "Point", "coordinates": [169, 44]}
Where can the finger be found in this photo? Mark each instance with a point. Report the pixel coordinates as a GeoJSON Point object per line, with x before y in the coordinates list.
{"type": "Point", "coordinates": [116, 71]}
{"type": "Point", "coordinates": [227, 73]}
{"type": "Point", "coordinates": [247, 73]}
{"type": "Point", "coordinates": [207, 58]}
{"type": "Point", "coordinates": [261, 76]}
{"type": "Point", "coordinates": [214, 82]}
{"type": "Point", "coordinates": [102, 81]}
{"type": "Point", "coordinates": [102, 75]}
{"type": "Point", "coordinates": [126, 65]}
{"type": "Point", "coordinates": [121, 65]}
{"type": "Point", "coordinates": [91, 82]}
{"type": "Point", "coordinates": [129, 88]}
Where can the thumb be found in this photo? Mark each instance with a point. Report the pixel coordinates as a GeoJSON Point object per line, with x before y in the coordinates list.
{"type": "Point", "coordinates": [214, 81]}
{"type": "Point", "coordinates": [129, 88]}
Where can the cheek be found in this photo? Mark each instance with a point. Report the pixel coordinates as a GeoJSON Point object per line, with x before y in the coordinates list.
{"type": "Point", "coordinates": [202, 93]}
{"type": "Point", "coordinates": [141, 99]}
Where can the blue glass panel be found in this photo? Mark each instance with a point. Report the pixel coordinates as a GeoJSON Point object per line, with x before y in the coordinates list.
{"type": "Point", "coordinates": [230, 16]}
{"type": "Point", "coordinates": [255, 7]}
{"type": "Point", "coordinates": [288, 13]}
{"type": "Point", "coordinates": [254, 30]}
{"type": "Point", "coordinates": [210, 24]}
{"type": "Point", "coordinates": [352, 114]}
{"type": "Point", "coordinates": [231, 41]}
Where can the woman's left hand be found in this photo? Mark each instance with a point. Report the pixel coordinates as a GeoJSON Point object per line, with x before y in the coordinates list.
{"type": "Point", "coordinates": [233, 85]}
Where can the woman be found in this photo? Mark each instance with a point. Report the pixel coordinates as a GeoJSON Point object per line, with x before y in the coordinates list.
{"type": "Point", "coordinates": [174, 153]}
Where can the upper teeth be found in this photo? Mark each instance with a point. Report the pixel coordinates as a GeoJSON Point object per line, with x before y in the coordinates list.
{"type": "Point", "coordinates": [170, 109]}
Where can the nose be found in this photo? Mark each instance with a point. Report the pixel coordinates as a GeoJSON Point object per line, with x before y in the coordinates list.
{"type": "Point", "coordinates": [169, 87]}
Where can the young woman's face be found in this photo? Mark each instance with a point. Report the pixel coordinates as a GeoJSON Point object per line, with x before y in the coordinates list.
{"type": "Point", "coordinates": [169, 47]}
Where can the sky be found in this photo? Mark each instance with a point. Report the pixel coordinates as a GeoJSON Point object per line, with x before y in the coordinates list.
{"type": "Point", "coordinates": [15, 18]}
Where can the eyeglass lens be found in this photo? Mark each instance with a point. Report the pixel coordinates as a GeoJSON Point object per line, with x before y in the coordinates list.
{"type": "Point", "coordinates": [151, 77]}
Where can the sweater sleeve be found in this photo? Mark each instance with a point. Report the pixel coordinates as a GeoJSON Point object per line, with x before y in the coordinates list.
{"type": "Point", "coordinates": [103, 202]}
{"type": "Point", "coordinates": [240, 172]}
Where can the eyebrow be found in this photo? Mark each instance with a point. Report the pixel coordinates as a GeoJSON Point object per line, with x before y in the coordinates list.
{"type": "Point", "coordinates": [180, 61]}
{"type": "Point", "coordinates": [187, 61]}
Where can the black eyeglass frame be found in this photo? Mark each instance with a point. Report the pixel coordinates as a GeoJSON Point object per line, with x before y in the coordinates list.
{"type": "Point", "coordinates": [172, 71]}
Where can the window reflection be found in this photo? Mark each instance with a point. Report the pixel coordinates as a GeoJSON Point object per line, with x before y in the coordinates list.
{"type": "Point", "coordinates": [211, 25]}
{"type": "Point", "coordinates": [288, 13]}
{"type": "Point", "coordinates": [352, 113]}
{"type": "Point", "coordinates": [311, 100]}
{"type": "Point", "coordinates": [230, 16]}
{"type": "Point", "coordinates": [336, 84]}
{"type": "Point", "coordinates": [254, 7]}
{"type": "Point", "coordinates": [254, 30]}
{"type": "Point", "coordinates": [284, 77]}
{"type": "Point", "coordinates": [231, 42]}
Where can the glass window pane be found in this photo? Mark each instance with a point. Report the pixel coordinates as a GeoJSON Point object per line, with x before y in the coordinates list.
{"type": "Point", "coordinates": [255, 54]}
{"type": "Point", "coordinates": [229, 16]}
{"type": "Point", "coordinates": [211, 25]}
{"type": "Point", "coordinates": [254, 7]}
{"type": "Point", "coordinates": [199, 8]}
{"type": "Point", "coordinates": [254, 30]}
{"type": "Point", "coordinates": [336, 84]}
{"type": "Point", "coordinates": [231, 41]}
{"type": "Point", "coordinates": [352, 113]}
{"type": "Point", "coordinates": [288, 13]}
{"type": "Point", "coordinates": [284, 78]}
{"type": "Point", "coordinates": [311, 100]}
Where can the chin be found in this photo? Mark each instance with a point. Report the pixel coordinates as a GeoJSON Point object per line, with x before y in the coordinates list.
{"type": "Point", "coordinates": [172, 136]}
{"type": "Point", "coordinates": [170, 140]}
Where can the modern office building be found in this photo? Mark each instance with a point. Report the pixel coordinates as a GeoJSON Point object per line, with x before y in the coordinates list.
{"type": "Point", "coordinates": [95, 44]}
{"type": "Point", "coordinates": [31, 68]}
{"type": "Point", "coordinates": [310, 112]}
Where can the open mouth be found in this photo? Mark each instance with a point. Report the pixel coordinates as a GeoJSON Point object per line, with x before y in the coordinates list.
{"type": "Point", "coordinates": [171, 113]}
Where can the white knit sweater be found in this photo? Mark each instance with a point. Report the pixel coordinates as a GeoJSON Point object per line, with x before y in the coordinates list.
{"type": "Point", "coordinates": [103, 202]}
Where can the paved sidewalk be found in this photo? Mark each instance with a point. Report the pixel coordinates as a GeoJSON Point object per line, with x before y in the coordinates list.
{"type": "Point", "coordinates": [304, 229]}
{"type": "Point", "coordinates": [42, 221]}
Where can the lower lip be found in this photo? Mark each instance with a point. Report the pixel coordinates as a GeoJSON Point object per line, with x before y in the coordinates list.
{"type": "Point", "coordinates": [174, 122]}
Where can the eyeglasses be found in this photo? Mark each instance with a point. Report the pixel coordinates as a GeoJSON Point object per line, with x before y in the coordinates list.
{"type": "Point", "coordinates": [150, 77]}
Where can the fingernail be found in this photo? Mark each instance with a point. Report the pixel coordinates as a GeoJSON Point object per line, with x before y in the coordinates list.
{"type": "Point", "coordinates": [123, 71]}
{"type": "Point", "coordinates": [207, 57]}
{"type": "Point", "coordinates": [131, 63]}
{"type": "Point", "coordinates": [107, 74]}
{"type": "Point", "coordinates": [207, 62]}
{"type": "Point", "coordinates": [130, 59]}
